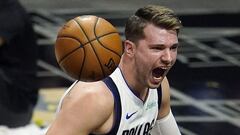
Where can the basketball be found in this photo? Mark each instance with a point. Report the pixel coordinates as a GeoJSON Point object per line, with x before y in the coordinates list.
{"type": "Point", "coordinates": [88, 48]}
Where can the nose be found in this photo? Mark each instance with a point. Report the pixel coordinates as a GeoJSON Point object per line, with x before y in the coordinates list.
{"type": "Point", "coordinates": [166, 57]}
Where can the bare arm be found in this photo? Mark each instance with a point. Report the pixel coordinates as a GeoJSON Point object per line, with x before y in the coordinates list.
{"type": "Point", "coordinates": [84, 110]}
{"type": "Point", "coordinates": [166, 123]}
{"type": "Point", "coordinates": [165, 104]}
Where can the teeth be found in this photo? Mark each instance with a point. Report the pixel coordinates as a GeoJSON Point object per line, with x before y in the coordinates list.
{"type": "Point", "coordinates": [157, 78]}
{"type": "Point", "coordinates": [164, 68]}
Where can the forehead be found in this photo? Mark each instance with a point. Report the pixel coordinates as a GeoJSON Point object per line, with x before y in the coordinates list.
{"type": "Point", "coordinates": [158, 35]}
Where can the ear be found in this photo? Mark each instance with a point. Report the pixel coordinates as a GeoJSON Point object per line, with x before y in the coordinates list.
{"type": "Point", "coordinates": [129, 47]}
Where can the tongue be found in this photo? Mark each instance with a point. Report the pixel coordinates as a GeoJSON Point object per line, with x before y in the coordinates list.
{"type": "Point", "coordinates": [157, 72]}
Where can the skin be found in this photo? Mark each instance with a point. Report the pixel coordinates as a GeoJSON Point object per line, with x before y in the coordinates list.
{"type": "Point", "coordinates": [89, 107]}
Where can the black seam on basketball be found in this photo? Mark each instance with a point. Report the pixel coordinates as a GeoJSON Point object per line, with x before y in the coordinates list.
{"type": "Point", "coordinates": [106, 47]}
{"type": "Point", "coordinates": [80, 72]}
{"type": "Point", "coordinates": [100, 37]}
{"type": "Point", "coordinates": [80, 46]}
{"type": "Point", "coordinates": [91, 43]}
{"type": "Point", "coordinates": [94, 28]}
{"type": "Point", "coordinates": [62, 36]}
{"type": "Point", "coordinates": [67, 36]}
{"type": "Point", "coordinates": [71, 52]}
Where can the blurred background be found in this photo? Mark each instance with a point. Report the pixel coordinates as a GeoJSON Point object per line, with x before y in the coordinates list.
{"type": "Point", "coordinates": [204, 82]}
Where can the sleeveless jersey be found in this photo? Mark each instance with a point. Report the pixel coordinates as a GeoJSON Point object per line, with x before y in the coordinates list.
{"type": "Point", "coordinates": [132, 115]}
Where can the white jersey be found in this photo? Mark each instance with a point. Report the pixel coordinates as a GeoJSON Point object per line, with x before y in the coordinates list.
{"type": "Point", "coordinates": [132, 115]}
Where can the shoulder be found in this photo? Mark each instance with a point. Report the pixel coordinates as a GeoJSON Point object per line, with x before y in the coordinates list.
{"type": "Point", "coordinates": [165, 90]}
{"type": "Point", "coordinates": [165, 103]}
{"type": "Point", "coordinates": [89, 89]}
{"type": "Point", "coordinates": [93, 93]}
{"type": "Point", "coordinates": [90, 103]}
{"type": "Point", "coordinates": [165, 84]}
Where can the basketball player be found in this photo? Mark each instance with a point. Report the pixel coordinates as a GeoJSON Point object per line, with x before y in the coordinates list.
{"type": "Point", "coordinates": [134, 99]}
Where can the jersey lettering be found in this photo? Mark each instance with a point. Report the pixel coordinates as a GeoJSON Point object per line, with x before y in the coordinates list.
{"type": "Point", "coordinates": [138, 130]}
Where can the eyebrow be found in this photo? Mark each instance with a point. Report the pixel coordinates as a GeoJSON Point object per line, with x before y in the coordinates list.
{"type": "Point", "coordinates": [176, 44]}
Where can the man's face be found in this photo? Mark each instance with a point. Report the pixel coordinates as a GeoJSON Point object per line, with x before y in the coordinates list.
{"type": "Point", "coordinates": [155, 55]}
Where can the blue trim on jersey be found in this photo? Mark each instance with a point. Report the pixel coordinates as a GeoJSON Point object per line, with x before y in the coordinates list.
{"type": "Point", "coordinates": [159, 91]}
{"type": "Point", "coordinates": [136, 94]}
{"type": "Point", "coordinates": [117, 105]}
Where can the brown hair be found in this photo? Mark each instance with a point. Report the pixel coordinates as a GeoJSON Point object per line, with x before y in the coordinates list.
{"type": "Point", "coordinates": [157, 15]}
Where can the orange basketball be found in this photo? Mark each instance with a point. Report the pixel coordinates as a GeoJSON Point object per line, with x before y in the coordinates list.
{"type": "Point", "coordinates": [88, 48]}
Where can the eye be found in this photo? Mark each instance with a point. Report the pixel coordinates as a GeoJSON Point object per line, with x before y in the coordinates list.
{"type": "Point", "coordinates": [157, 47]}
{"type": "Point", "coordinates": [174, 47]}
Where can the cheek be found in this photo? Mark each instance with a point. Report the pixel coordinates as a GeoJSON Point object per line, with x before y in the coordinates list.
{"type": "Point", "coordinates": [147, 58]}
{"type": "Point", "coordinates": [143, 61]}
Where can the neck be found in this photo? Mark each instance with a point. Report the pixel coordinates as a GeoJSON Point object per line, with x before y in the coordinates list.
{"type": "Point", "coordinates": [130, 76]}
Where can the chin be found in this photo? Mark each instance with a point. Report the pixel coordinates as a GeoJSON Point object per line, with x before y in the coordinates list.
{"type": "Point", "coordinates": [154, 86]}
{"type": "Point", "coordinates": [153, 83]}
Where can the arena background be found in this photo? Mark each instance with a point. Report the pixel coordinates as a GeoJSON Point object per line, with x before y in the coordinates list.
{"type": "Point", "coordinates": [205, 80]}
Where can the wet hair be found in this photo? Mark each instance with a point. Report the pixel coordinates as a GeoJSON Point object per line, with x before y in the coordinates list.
{"type": "Point", "coordinates": [152, 14]}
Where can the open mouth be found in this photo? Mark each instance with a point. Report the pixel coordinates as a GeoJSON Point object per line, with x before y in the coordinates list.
{"type": "Point", "coordinates": [158, 72]}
